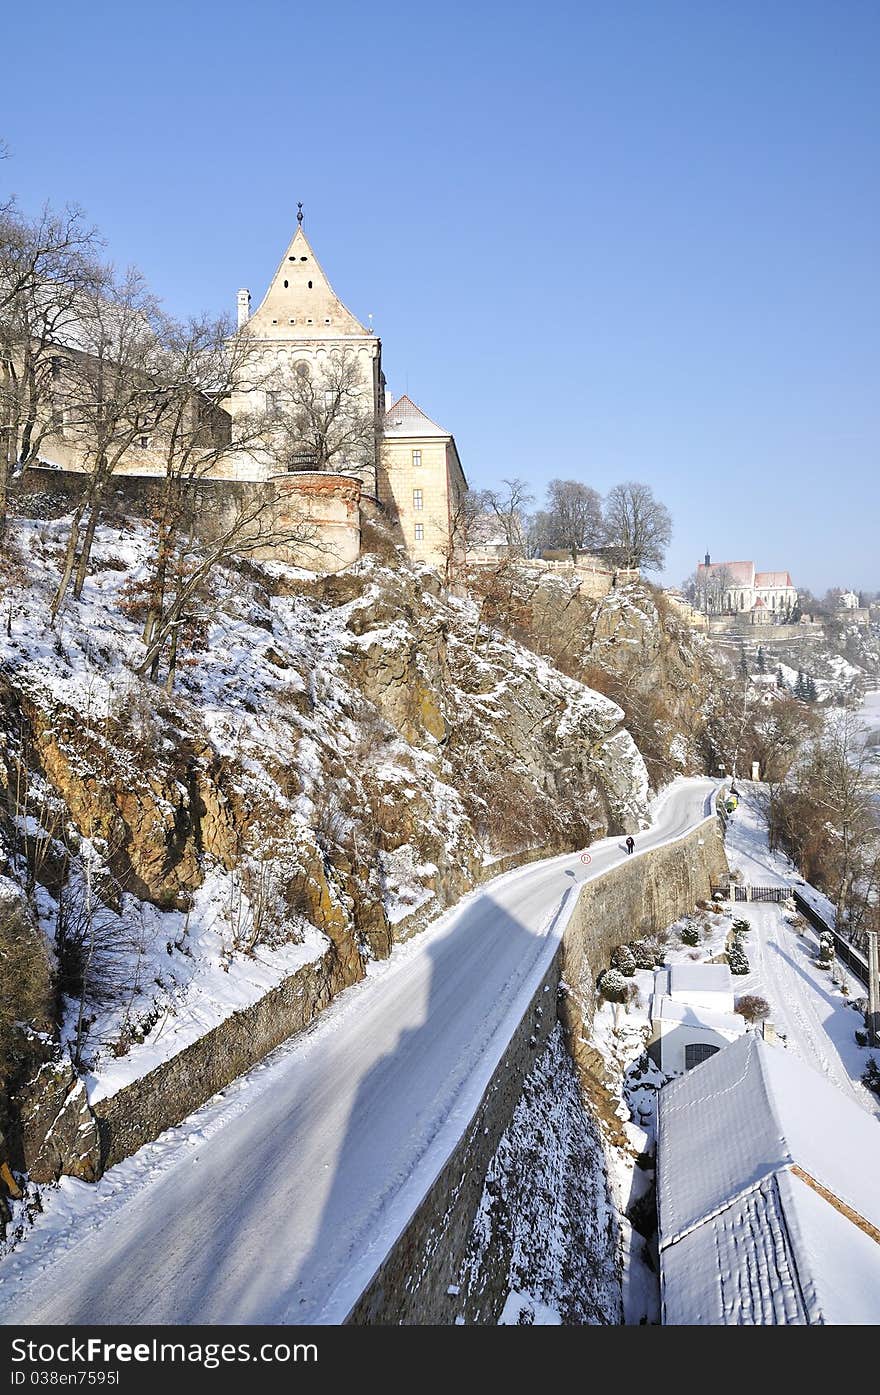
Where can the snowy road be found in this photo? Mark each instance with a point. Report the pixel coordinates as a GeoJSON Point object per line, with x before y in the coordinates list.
{"type": "Point", "coordinates": [276, 1202]}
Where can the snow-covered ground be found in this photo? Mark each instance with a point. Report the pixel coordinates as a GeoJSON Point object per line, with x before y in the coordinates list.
{"type": "Point", "coordinates": [278, 1202]}
{"type": "Point", "coordinates": [812, 1015]}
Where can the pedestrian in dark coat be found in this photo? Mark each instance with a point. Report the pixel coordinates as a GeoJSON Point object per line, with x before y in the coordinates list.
{"type": "Point", "coordinates": [630, 843]}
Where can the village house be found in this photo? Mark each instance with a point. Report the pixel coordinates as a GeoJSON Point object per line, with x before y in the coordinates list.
{"type": "Point", "coordinates": [692, 1015]}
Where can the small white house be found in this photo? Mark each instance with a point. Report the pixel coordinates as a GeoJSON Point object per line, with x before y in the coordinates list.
{"type": "Point", "coordinates": [692, 1015]}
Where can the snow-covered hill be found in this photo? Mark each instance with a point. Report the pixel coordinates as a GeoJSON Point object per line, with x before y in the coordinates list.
{"type": "Point", "coordinates": [340, 759]}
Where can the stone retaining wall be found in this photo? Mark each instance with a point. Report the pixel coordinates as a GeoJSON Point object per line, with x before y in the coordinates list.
{"type": "Point", "coordinates": [639, 897]}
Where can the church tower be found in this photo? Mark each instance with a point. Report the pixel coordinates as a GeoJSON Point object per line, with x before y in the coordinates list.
{"type": "Point", "coordinates": [299, 323]}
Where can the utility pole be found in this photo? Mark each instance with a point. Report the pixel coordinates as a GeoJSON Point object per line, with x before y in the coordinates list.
{"type": "Point", "coordinates": [872, 1024]}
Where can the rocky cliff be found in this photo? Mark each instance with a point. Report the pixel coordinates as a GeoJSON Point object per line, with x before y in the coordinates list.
{"type": "Point", "coordinates": [341, 758]}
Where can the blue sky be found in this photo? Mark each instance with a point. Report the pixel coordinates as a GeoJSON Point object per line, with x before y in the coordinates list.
{"type": "Point", "coordinates": [599, 240]}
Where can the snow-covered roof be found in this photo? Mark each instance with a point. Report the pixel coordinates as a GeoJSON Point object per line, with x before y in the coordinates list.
{"type": "Point", "coordinates": [664, 1009]}
{"type": "Point", "coordinates": [754, 1134]}
{"type": "Point", "coordinates": [404, 418]}
{"type": "Point", "coordinates": [699, 978]}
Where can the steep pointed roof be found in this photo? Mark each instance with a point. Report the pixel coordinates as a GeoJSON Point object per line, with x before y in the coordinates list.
{"type": "Point", "coordinates": [300, 302]}
{"type": "Point", "coordinates": [404, 418]}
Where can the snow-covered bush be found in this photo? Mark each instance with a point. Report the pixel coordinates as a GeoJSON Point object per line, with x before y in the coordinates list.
{"type": "Point", "coordinates": [741, 926]}
{"type": "Point", "coordinates": [737, 960]}
{"type": "Point", "coordinates": [624, 960]}
{"type": "Point", "coordinates": [646, 954]}
{"type": "Point", "coordinates": [826, 950]}
{"type": "Point", "coordinates": [613, 986]}
{"type": "Point", "coordinates": [871, 1075]}
{"type": "Point", "coordinates": [689, 935]}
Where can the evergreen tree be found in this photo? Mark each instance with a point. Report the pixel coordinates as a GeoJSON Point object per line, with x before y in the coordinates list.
{"type": "Point", "coordinates": [800, 687]}
{"type": "Point", "coordinates": [743, 666]}
{"type": "Point", "coordinates": [760, 659]}
{"type": "Point", "coordinates": [810, 693]}
{"type": "Point", "coordinates": [780, 681]}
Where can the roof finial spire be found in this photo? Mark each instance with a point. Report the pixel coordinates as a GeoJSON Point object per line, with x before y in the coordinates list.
{"type": "Point", "coordinates": [299, 216]}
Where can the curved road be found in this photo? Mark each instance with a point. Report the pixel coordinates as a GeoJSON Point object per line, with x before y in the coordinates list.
{"type": "Point", "coordinates": [277, 1201]}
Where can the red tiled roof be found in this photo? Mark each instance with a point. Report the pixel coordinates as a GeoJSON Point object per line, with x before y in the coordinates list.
{"type": "Point", "coordinates": [773, 579]}
{"type": "Point", "coordinates": [741, 573]}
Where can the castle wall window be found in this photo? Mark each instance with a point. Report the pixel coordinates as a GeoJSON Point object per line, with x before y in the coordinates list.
{"type": "Point", "coordinates": [420, 532]}
{"type": "Point", "coordinates": [417, 499]}
{"type": "Point", "coordinates": [417, 457]}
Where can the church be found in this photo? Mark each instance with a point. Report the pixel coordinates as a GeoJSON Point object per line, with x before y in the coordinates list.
{"type": "Point", "coordinates": [736, 588]}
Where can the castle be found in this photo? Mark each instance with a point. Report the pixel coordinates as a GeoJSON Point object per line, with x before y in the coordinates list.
{"type": "Point", "coordinates": [308, 361]}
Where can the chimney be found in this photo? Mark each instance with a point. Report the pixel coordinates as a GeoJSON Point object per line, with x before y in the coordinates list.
{"type": "Point", "coordinates": [244, 307]}
{"type": "Point", "coordinates": [707, 560]}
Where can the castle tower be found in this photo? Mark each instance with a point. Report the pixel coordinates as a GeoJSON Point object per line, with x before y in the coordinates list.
{"type": "Point", "coordinates": [297, 326]}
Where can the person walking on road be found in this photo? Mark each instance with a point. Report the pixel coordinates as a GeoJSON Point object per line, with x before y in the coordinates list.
{"type": "Point", "coordinates": [630, 844]}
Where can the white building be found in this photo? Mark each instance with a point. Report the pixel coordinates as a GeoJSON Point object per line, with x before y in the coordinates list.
{"type": "Point", "coordinates": [736, 588]}
{"type": "Point", "coordinates": [768, 1205]}
{"type": "Point", "coordinates": [692, 1015]}
{"type": "Point", "coordinates": [849, 600]}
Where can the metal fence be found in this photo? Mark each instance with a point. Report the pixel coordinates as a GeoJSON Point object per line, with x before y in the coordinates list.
{"type": "Point", "coordinates": [846, 952]}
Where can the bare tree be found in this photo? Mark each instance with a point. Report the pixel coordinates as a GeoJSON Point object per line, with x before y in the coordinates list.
{"type": "Point", "coordinates": [509, 506]}
{"type": "Point", "coordinates": [47, 266]}
{"type": "Point", "coordinates": [466, 522]}
{"type": "Point", "coordinates": [707, 590]}
{"type": "Point", "coordinates": [637, 525]}
{"type": "Point", "coordinates": [253, 525]}
{"type": "Point", "coordinates": [574, 516]}
{"type": "Point", "coordinates": [201, 364]}
{"type": "Point", "coordinates": [113, 394]}
{"type": "Point", "coordinates": [324, 419]}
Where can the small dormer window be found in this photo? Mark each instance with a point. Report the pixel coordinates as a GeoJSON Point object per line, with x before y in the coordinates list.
{"type": "Point", "coordinates": [310, 322]}
{"type": "Point", "coordinates": [327, 320]}
{"type": "Point", "coordinates": [303, 259]}
{"type": "Point", "coordinates": [274, 322]}
{"type": "Point", "coordinates": [310, 285]}
{"type": "Point", "coordinates": [291, 259]}
{"type": "Point", "coordinates": [286, 284]}
{"type": "Point", "coordinates": [293, 322]}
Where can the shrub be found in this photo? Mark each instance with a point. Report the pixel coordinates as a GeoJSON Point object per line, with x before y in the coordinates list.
{"type": "Point", "coordinates": [689, 935]}
{"type": "Point", "coordinates": [613, 986]}
{"type": "Point", "coordinates": [624, 960]}
{"type": "Point", "coordinates": [646, 954]}
{"type": "Point", "coordinates": [741, 926]}
{"type": "Point", "coordinates": [871, 1075]}
{"type": "Point", "coordinates": [861, 1037]}
{"type": "Point", "coordinates": [752, 1007]}
{"type": "Point", "coordinates": [737, 960]}
{"type": "Point", "coordinates": [25, 985]}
